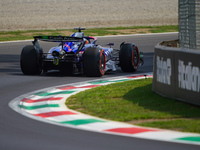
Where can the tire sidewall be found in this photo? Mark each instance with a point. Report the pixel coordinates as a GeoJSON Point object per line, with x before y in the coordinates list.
{"type": "Point", "coordinates": [92, 62]}
{"type": "Point", "coordinates": [129, 57]}
{"type": "Point", "coordinates": [31, 60]}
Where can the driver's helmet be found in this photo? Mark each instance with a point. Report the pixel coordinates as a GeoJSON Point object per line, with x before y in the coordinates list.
{"type": "Point", "coordinates": [79, 34]}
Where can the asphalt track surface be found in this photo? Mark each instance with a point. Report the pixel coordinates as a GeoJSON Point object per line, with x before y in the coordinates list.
{"type": "Point", "coordinates": [18, 132]}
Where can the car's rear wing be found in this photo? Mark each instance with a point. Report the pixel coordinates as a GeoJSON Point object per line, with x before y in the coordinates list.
{"type": "Point", "coordinates": [61, 39]}
{"type": "Point", "coordinates": [58, 38]}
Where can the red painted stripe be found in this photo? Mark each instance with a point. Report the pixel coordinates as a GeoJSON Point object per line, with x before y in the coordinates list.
{"type": "Point", "coordinates": [41, 100]}
{"type": "Point", "coordinates": [131, 130]}
{"type": "Point", "coordinates": [25, 99]}
{"type": "Point", "coordinates": [68, 87]}
{"type": "Point", "coordinates": [55, 113]}
{"type": "Point", "coordinates": [135, 76]}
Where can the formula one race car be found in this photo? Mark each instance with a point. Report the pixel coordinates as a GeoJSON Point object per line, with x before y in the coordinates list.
{"type": "Point", "coordinates": [79, 54]}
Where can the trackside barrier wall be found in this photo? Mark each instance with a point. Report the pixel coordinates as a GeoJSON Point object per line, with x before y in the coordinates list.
{"type": "Point", "coordinates": [176, 73]}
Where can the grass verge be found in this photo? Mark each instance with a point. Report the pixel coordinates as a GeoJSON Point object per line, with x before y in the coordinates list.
{"type": "Point", "coordinates": [134, 102]}
{"type": "Point", "coordinates": [24, 35]}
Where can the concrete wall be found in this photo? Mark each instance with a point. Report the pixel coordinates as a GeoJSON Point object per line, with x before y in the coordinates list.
{"type": "Point", "coordinates": [176, 73]}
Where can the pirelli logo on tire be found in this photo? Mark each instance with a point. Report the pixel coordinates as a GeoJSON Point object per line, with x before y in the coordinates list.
{"type": "Point", "coordinates": [177, 74]}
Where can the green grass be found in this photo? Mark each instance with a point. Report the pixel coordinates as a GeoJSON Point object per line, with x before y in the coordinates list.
{"type": "Point", "coordinates": [131, 101]}
{"type": "Point", "coordinates": [164, 29]}
{"type": "Point", "coordinates": [187, 125]}
{"type": "Point", "coordinates": [23, 35]}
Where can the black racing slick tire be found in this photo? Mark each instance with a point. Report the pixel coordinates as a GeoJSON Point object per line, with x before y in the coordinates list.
{"type": "Point", "coordinates": [94, 62]}
{"type": "Point", "coordinates": [31, 61]}
{"type": "Point", "coordinates": [129, 57]}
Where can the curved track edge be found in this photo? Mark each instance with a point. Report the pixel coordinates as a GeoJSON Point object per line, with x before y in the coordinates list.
{"type": "Point", "coordinates": [48, 105]}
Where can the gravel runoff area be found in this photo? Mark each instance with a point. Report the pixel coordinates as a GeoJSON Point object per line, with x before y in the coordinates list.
{"type": "Point", "coordinates": [67, 14]}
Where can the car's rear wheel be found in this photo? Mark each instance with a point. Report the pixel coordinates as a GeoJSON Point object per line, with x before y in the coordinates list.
{"type": "Point", "coordinates": [94, 62]}
{"type": "Point", "coordinates": [31, 60]}
{"type": "Point", "coordinates": [129, 57]}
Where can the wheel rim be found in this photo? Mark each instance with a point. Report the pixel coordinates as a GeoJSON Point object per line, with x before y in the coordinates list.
{"type": "Point", "coordinates": [102, 62]}
{"type": "Point", "coordinates": [135, 58]}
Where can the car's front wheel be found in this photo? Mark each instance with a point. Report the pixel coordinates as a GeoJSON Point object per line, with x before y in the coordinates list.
{"type": "Point", "coordinates": [129, 57]}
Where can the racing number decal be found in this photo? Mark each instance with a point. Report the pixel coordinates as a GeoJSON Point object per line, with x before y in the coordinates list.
{"type": "Point", "coordinates": [102, 62]}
